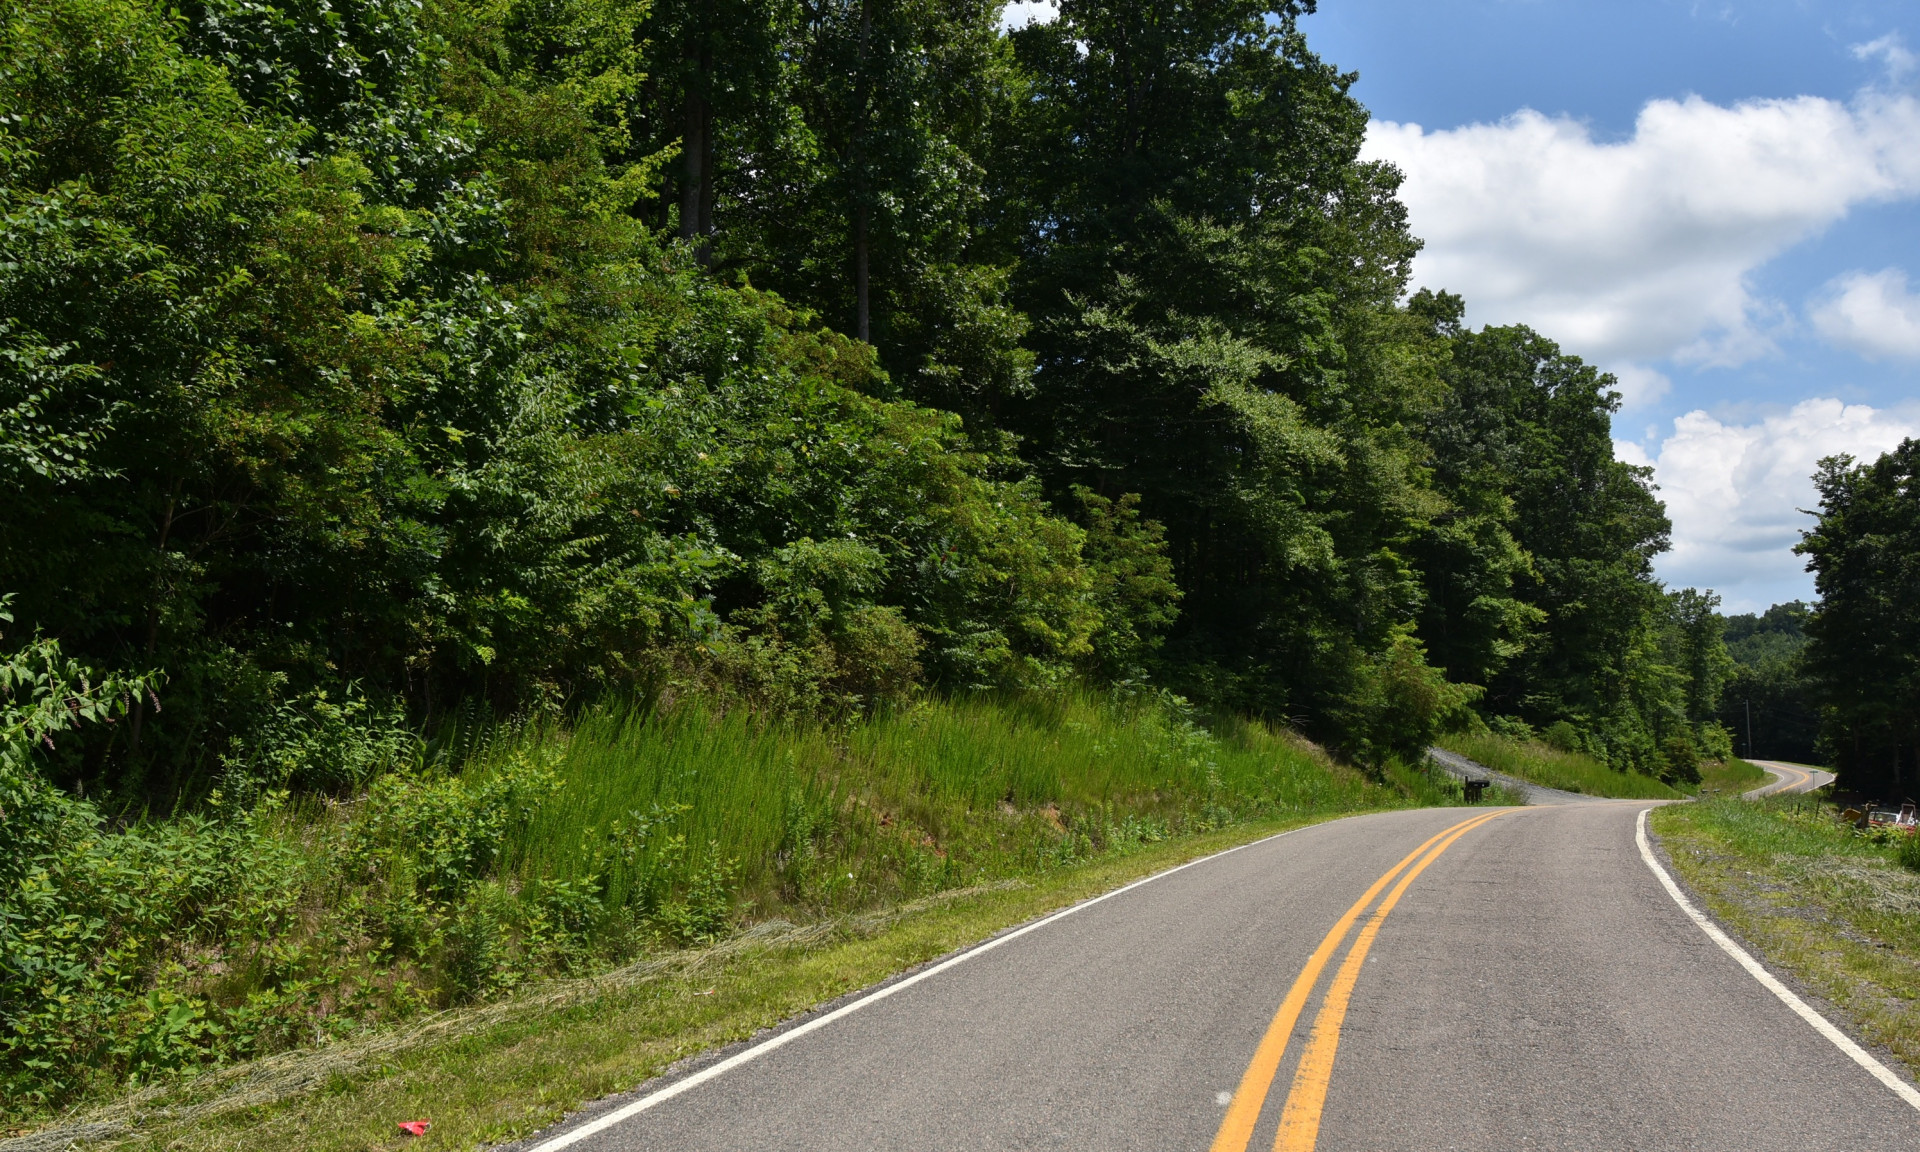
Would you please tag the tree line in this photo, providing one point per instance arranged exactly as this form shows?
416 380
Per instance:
1860 666
380 362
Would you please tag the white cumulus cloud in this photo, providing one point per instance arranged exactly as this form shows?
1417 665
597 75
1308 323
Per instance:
1873 313
1633 251
1892 52
1734 492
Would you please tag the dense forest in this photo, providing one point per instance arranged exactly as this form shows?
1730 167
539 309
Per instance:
375 370
1861 662
1767 702
371 362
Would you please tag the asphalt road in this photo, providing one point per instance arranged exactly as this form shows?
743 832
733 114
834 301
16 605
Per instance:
1532 986
1788 778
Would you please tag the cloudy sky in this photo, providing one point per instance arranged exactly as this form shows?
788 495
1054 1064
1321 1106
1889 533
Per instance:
1717 201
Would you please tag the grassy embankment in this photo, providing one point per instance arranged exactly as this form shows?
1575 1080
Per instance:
579 906
1834 907
1541 763
1730 777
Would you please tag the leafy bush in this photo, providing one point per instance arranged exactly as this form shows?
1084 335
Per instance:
1679 760
1564 737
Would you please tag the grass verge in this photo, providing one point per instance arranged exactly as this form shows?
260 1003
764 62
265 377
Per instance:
1730 777
579 846
498 1072
1814 898
1544 764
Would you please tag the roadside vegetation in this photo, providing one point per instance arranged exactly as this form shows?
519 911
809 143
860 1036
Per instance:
497 1071
520 853
1539 762
1837 908
1730 777
1860 663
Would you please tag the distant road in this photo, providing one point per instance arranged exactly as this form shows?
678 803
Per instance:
1472 980
1788 778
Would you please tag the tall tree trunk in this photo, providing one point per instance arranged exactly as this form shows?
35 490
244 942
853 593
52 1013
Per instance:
862 247
696 183
693 154
708 184
862 299
138 719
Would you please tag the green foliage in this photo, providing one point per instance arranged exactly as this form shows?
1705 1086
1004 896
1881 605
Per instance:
1544 763
869 390
314 744
1907 852
1133 584
1863 640
138 952
1679 760
1768 701
1404 703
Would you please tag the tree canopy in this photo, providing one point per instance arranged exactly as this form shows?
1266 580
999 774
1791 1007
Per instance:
1863 638
441 355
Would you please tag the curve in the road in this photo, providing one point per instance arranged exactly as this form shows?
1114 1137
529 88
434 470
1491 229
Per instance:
1788 779
1535 986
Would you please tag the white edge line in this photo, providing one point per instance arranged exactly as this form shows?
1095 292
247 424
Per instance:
713 1071
1800 1007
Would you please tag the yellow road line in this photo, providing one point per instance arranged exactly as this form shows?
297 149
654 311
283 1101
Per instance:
1300 1119
1236 1130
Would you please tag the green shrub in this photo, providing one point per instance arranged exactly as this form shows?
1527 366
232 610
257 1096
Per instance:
1679 759
1563 737
1908 852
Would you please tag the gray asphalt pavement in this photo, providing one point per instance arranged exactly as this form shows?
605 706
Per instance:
1535 987
1788 778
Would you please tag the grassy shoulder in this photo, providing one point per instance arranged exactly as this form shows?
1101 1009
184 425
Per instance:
608 854
1730 777
1831 906
498 1072
1541 763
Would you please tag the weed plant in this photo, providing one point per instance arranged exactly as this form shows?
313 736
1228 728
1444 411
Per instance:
1541 763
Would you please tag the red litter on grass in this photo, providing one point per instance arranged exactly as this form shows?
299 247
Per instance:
415 1127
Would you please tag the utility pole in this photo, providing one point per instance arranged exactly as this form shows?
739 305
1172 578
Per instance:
1749 728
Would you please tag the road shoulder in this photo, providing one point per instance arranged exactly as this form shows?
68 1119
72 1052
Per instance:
1835 918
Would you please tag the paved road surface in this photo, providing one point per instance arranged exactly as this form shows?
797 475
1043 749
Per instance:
1533 986
1788 778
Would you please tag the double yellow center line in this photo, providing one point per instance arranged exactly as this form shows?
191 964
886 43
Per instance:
1300 1117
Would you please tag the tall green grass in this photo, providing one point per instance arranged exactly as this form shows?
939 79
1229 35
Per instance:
1541 763
579 844
943 793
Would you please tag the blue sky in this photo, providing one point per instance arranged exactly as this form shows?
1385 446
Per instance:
1719 201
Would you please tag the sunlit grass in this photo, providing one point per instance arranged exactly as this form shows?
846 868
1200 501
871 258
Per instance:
1730 777
909 801
1542 763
